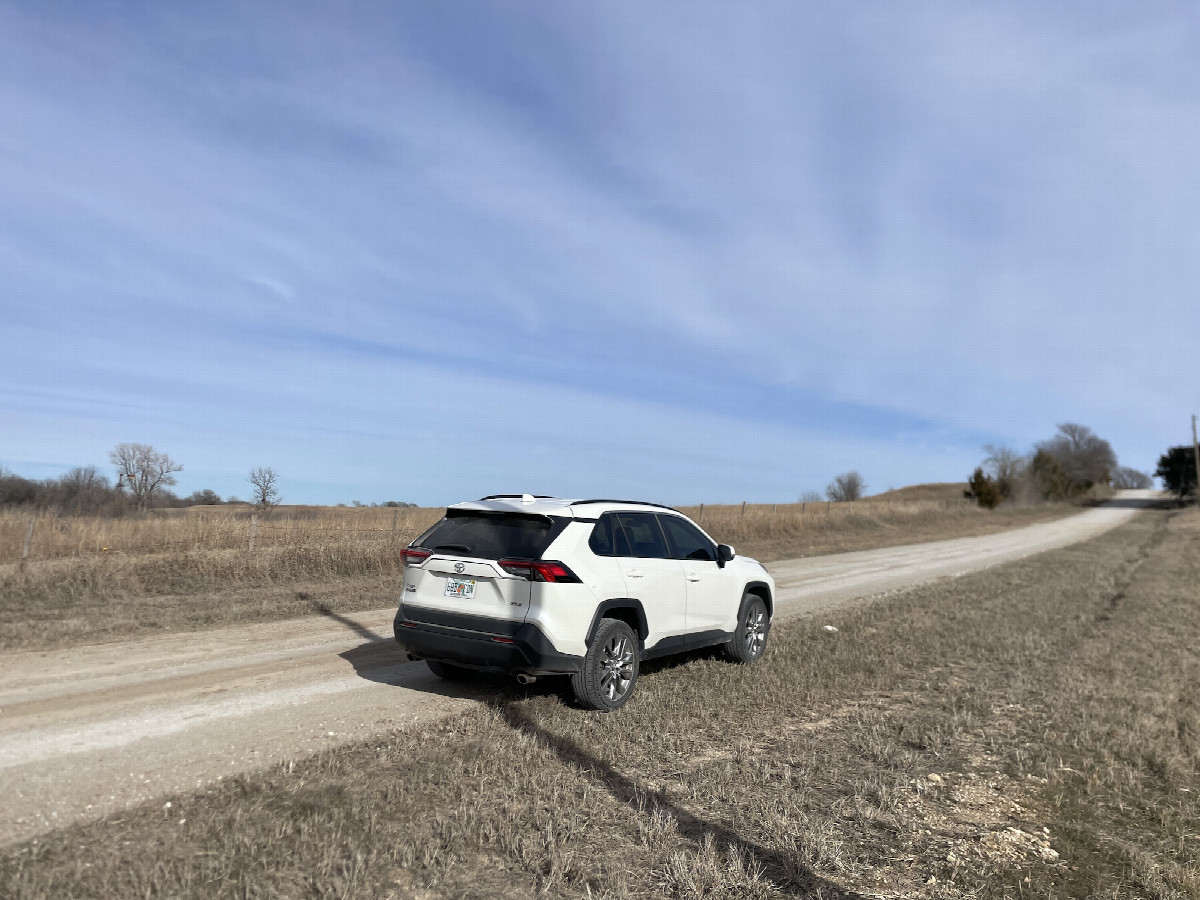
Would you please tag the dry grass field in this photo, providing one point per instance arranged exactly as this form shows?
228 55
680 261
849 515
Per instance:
1031 730
90 579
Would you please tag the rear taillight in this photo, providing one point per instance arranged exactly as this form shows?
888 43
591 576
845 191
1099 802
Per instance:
540 570
412 556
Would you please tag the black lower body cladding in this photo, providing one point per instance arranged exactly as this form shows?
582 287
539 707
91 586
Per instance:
477 642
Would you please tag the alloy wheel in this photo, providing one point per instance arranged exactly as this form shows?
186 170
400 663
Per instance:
756 630
616 667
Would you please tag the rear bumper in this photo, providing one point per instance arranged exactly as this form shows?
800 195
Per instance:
476 642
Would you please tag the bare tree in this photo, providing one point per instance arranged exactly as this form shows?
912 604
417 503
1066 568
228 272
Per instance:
83 489
1126 478
1005 466
143 471
265 494
811 497
1083 458
846 488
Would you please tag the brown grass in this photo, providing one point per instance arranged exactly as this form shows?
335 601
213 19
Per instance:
1029 730
769 532
204 528
193 568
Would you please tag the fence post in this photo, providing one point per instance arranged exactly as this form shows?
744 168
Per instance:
702 512
28 541
828 503
743 509
803 504
774 508
253 531
395 513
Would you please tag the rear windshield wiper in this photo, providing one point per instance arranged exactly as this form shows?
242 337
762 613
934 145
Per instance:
463 547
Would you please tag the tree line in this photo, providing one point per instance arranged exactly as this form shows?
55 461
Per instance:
144 480
1064 467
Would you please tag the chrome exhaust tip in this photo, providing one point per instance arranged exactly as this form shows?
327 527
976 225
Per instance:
522 678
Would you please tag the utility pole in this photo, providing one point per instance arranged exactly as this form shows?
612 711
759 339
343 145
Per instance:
1196 458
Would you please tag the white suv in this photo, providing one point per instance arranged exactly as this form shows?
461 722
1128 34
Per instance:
587 588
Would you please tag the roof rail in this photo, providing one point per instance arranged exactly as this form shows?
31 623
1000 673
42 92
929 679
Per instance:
514 497
630 502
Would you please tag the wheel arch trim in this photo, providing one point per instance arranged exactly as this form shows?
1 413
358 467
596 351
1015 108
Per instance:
641 627
763 591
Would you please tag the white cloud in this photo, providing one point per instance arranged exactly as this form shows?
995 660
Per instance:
974 221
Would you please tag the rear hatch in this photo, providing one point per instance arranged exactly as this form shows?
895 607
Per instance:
462 573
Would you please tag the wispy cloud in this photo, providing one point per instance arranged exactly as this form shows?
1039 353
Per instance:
810 239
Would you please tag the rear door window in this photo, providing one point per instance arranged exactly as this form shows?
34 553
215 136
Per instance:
687 540
645 538
608 538
488 535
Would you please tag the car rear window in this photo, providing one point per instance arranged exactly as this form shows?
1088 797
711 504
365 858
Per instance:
488 535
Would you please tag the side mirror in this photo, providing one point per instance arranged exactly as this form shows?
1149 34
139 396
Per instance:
724 554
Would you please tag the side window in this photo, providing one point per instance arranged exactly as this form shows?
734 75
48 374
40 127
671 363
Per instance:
645 537
687 540
608 538
601 540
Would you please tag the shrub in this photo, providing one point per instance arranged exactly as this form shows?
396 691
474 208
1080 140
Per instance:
1177 469
846 488
983 489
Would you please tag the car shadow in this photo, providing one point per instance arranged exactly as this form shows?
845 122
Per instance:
381 660
788 874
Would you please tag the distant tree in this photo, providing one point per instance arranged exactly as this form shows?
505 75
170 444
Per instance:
811 497
265 494
143 471
82 490
168 499
983 489
206 497
845 488
1006 467
16 490
1047 476
1083 459
1125 478
1177 469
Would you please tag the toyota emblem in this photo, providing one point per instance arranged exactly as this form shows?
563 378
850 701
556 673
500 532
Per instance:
458 567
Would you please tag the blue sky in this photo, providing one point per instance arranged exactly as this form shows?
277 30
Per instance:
680 251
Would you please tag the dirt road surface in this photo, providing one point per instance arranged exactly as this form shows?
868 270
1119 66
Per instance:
91 730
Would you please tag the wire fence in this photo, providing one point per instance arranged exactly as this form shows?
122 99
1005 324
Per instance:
28 538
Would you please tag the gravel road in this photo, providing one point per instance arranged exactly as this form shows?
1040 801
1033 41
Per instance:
91 730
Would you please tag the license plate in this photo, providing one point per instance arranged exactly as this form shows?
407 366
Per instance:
460 587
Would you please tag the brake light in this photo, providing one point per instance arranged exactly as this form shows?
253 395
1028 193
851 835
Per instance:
412 556
540 570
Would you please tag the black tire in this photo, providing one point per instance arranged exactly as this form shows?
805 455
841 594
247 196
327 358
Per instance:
754 624
447 671
610 667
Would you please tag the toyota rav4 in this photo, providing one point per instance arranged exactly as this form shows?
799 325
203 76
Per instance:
538 586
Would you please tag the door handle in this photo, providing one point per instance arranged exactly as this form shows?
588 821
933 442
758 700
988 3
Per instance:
634 573
693 577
